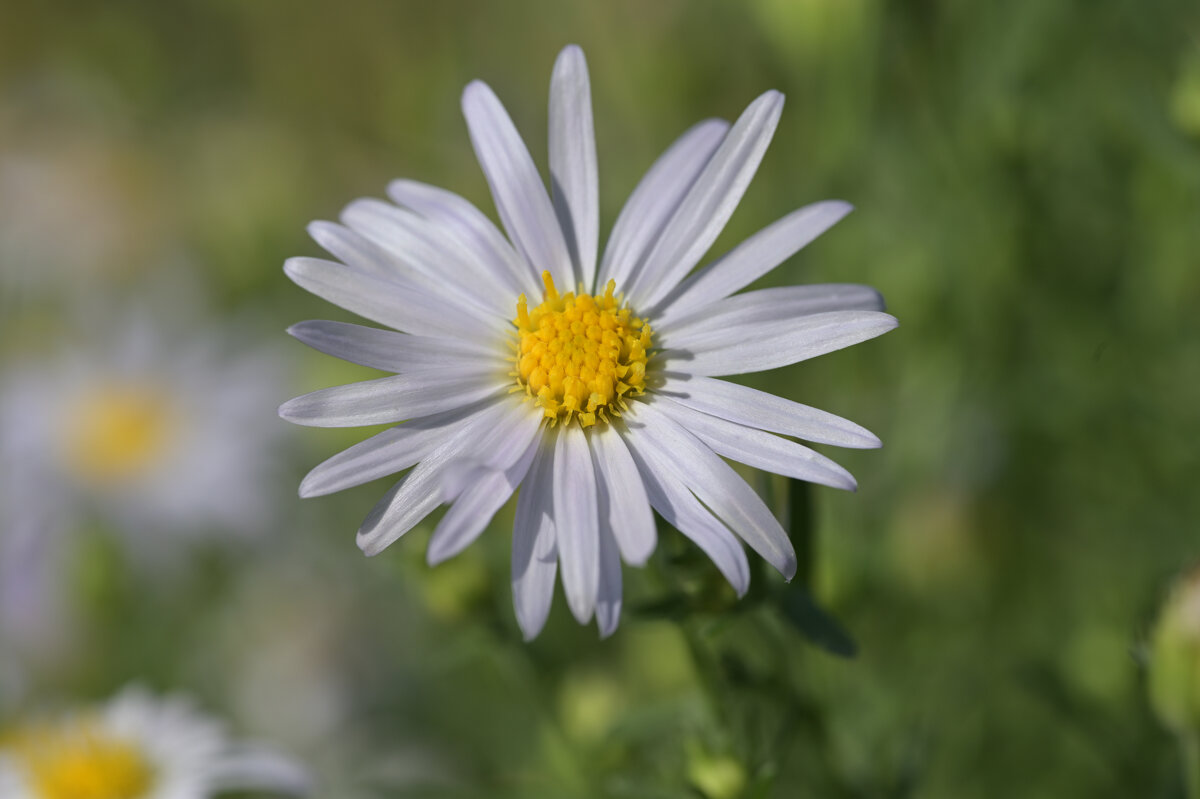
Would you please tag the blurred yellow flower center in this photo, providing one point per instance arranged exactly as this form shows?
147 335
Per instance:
79 762
117 432
580 355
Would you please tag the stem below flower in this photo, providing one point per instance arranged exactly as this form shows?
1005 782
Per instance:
1190 743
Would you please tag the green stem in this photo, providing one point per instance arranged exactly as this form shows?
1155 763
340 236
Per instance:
1191 763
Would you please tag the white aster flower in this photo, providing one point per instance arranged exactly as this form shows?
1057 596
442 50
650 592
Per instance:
143 427
154 433
136 746
587 382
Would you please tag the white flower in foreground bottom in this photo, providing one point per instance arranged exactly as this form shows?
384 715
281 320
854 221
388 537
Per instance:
599 403
136 747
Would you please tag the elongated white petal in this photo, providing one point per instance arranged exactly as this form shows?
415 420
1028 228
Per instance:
770 305
389 350
498 451
709 203
573 180
392 302
404 505
758 346
534 554
576 521
608 594
250 767
754 408
656 197
419 491
517 188
388 452
713 482
624 506
398 261
392 399
758 448
675 503
753 258
486 492
438 262
460 218
356 250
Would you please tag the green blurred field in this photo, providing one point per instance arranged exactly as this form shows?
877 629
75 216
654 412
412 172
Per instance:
1026 176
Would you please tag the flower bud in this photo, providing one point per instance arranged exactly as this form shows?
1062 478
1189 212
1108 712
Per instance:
715 775
1174 676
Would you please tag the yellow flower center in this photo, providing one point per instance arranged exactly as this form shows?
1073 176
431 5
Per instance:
79 762
580 355
118 432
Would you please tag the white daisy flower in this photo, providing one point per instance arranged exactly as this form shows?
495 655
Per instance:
589 382
155 433
144 427
137 747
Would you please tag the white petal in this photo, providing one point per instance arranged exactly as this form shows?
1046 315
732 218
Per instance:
502 451
754 408
489 489
713 482
675 503
392 399
573 180
709 203
419 491
757 448
754 257
394 259
389 350
517 188
474 230
576 520
391 301
245 767
354 249
608 595
436 261
624 505
758 346
534 556
656 198
406 503
770 305
388 452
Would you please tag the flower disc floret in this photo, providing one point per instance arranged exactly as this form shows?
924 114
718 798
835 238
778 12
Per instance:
580 356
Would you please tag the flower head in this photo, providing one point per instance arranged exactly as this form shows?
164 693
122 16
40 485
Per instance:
588 382
135 747
142 426
135 429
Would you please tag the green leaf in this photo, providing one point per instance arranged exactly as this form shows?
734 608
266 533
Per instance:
816 624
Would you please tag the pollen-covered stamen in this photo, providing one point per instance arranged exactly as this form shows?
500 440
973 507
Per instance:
580 355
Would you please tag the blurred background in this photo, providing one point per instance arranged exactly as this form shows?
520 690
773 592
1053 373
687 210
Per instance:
1026 176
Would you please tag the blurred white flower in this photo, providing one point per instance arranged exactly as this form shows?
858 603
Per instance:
136 746
154 433
157 429
600 405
